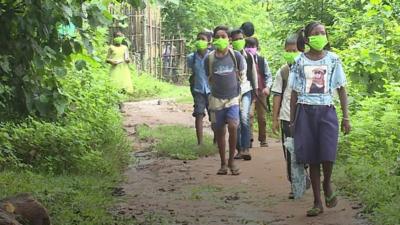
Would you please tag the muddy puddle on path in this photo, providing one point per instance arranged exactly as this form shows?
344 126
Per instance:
165 191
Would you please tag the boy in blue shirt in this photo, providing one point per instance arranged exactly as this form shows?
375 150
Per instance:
199 82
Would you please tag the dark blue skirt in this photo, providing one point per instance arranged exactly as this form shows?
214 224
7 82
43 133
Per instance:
316 134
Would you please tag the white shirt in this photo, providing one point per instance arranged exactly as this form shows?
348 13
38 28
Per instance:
284 112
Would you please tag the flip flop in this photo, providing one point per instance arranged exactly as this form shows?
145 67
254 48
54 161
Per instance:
331 201
246 155
238 156
234 170
222 171
314 211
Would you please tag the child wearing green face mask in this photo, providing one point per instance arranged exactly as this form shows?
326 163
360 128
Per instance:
118 57
248 85
281 108
198 82
226 69
313 120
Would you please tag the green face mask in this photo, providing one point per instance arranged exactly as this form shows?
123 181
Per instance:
118 40
221 43
201 44
290 56
318 42
238 45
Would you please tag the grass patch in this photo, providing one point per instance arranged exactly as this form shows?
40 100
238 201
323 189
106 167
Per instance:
70 199
146 86
75 198
177 141
365 183
204 192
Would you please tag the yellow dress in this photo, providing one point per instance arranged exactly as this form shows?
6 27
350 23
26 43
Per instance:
120 73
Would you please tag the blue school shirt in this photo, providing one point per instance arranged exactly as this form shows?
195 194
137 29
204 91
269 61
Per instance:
316 81
200 77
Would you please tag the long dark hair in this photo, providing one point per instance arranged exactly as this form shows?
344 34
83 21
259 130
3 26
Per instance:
305 33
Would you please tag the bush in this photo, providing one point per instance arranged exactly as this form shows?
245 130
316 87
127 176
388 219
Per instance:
370 155
77 140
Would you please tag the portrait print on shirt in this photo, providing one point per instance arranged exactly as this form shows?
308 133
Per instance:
316 77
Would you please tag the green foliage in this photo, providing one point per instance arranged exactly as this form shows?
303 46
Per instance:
37 39
146 86
372 60
193 16
60 161
178 142
74 141
370 155
33 53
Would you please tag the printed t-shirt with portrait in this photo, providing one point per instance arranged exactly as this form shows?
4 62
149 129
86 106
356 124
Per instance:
315 81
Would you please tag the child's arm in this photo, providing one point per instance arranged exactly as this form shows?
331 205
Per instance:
126 55
267 77
108 60
242 69
276 107
345 124
277 92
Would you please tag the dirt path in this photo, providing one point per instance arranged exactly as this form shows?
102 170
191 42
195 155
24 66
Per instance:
164 191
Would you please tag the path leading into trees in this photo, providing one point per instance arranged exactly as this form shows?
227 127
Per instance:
165 191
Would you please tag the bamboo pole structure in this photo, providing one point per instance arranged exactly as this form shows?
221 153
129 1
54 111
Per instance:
151 51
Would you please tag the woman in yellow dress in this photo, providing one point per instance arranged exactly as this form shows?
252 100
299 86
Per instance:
118 57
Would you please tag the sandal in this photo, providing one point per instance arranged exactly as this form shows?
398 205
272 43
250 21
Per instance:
222 171
314 211
331 201
263 144
234 170
246 155
238 156
291 195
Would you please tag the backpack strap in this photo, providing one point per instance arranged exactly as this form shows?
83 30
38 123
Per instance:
211 59
285 76
235 58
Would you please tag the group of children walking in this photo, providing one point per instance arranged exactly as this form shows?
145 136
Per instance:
231 81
